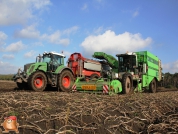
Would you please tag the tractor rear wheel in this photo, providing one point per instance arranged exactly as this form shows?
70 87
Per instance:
153 86
66 81
127 83
37 81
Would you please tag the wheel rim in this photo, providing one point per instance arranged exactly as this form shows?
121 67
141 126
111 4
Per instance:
66 81
127 84
38 82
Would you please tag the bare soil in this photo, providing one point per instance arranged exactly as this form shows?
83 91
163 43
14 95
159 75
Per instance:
53 112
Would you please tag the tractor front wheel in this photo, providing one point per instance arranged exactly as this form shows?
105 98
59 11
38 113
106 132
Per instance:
22 86
153 86
66 81
127 83
37 81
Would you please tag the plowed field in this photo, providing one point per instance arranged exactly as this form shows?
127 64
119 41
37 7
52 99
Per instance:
83 113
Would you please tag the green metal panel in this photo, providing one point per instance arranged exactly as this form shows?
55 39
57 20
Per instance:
152 63
112 61
43 67
116 86
94 83
39 65
145 81
59 68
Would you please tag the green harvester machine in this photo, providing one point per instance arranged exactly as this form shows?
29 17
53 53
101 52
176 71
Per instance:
131 72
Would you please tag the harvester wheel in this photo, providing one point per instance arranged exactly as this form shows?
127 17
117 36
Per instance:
127 83
37 81
94 76
66 81
153 86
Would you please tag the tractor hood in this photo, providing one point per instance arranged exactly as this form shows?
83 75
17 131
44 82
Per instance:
26 66
32 67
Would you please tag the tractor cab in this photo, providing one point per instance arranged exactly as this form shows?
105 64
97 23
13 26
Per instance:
52 59
127 63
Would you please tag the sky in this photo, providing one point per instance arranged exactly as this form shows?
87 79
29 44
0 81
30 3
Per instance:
30 27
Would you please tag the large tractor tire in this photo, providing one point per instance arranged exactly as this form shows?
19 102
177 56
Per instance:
66 81
37 81
153 86
127 83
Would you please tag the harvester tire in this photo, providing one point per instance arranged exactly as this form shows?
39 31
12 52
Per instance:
94 76
153 86
37 81
127 85
65 81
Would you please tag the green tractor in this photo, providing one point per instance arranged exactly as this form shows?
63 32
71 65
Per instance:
132 72
48 70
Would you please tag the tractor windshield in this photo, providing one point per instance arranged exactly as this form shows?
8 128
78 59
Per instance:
53 61
57 59
53 58
46 58
126 63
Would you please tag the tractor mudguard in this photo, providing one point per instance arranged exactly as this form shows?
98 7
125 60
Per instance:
61 68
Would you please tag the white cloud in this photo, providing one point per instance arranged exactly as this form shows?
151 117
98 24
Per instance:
15 47
55 38
30 54
84 7
99 1
63 42
28 32
7 68
8 56
170 67
37 44
71 30
67 53
20 11
135 14
98 30
39 4
3 37
111 43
